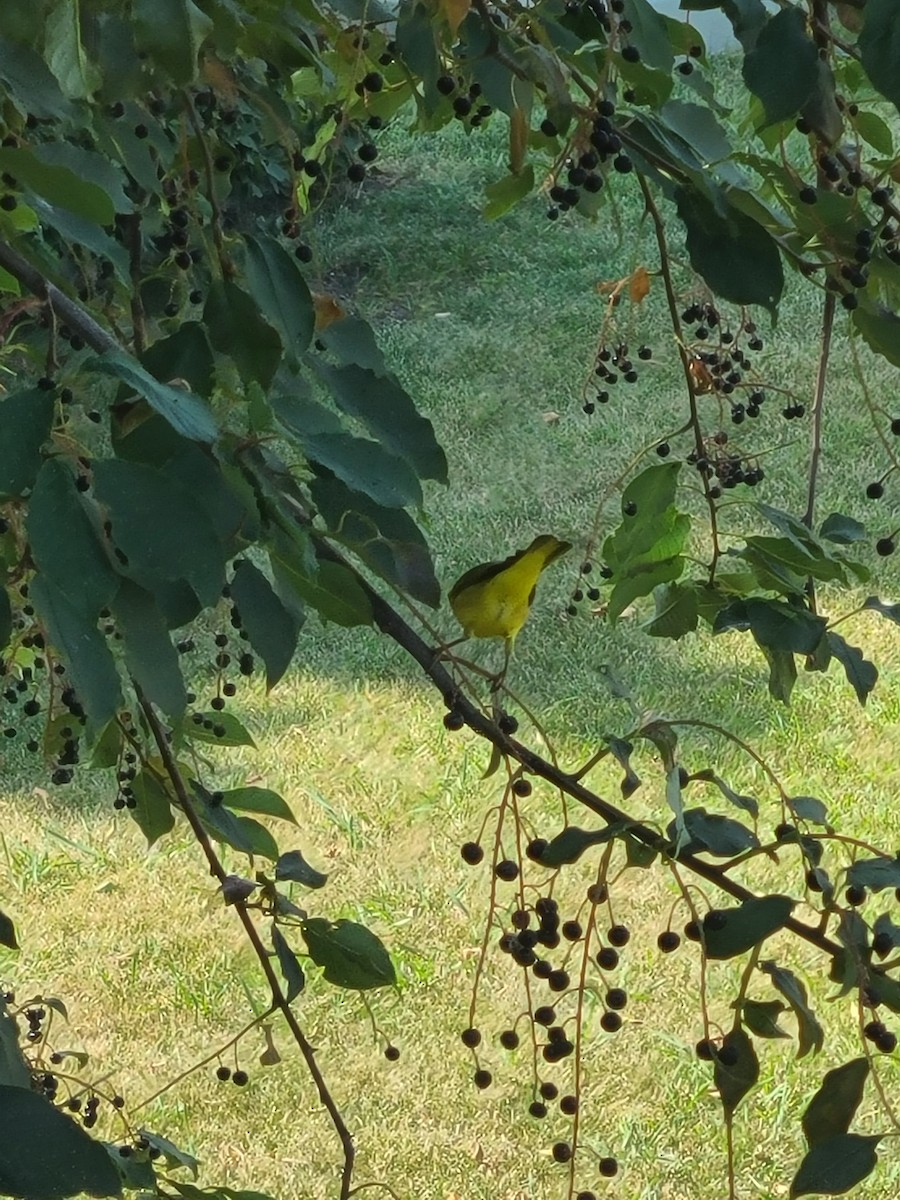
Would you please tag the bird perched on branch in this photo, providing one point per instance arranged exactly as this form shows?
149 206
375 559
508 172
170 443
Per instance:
495 598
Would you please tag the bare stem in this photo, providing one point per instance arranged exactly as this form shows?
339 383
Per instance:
815 453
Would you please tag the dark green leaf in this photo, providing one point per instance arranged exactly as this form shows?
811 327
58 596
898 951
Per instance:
568 846
736 256
621 752
151 658
885 990
676 611
862 674
740 929
14 1070
184 411
46 1155
58 185
782 69
842 530
279 289
761 1017
233 732
152 813
259 800
880 329
88 164
504 193
184 354
271 628
82 648
879 47
292 866
236 329
387 540
811 1034
178 543
78 77
747 803
388 412
173 1155
646 549
876 132
638 853
25 418
714 834
736 1079
808 808
887 929
834 1105
774 624
330 588
648 32
32 86
108 746
7 932
782 673
874 873
363 465
350 955
351 340
290 967
834 1167
171 32
891 611
241 833
65 541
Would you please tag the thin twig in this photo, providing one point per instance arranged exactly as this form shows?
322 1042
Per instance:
815 453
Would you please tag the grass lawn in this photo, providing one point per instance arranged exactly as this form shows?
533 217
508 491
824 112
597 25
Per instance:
492 327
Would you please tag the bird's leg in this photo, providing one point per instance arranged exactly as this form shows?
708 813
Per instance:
498 679
442 651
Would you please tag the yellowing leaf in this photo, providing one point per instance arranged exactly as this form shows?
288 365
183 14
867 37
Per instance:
455 12
639 285
327 310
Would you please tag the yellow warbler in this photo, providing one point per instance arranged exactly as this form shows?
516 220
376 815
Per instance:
494 599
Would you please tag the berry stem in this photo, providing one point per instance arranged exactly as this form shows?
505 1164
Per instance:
815 453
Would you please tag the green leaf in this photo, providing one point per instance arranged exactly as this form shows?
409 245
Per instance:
739 929
351 340
279 289
782 69
386 409
808 808
350 955
152 813
735 1080
25 418
233 732
5 619
888 929
774 624
363 465
735 255
259 800
184 411
876 874
834 1105
747 803
46 1155
714 834
290 967
160 527
65 541
842 530
170 33
32 86
782 673
331 588
14 1070
172 1154
78 77
504 193
646 549
88 164
82 648
241 833
151 658
648 32
58 185
811 1034
876 132
569 845
879 47
184 354
271 628
834 1167
387 540
862 674
293 867
880 329
236 329
891 611
7 932
621 752
761 1017
676 611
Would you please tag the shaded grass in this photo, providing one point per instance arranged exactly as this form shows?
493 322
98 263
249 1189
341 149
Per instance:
490 327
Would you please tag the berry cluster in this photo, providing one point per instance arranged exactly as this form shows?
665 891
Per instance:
465 102
582 169
612 363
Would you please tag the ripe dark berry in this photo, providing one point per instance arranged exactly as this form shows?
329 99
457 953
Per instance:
472 853
622 164
453 720
521 787
509 1039
631 54
548 128
608 1167
616 998
808 195
569 1105
692 931
618 935
885 546
223 1074
855 896
562 1152
141 131
391 1053
368 152
895 426
611 1022
535 849
668 941
882 943
471 1037
705 1050
607 958
850 301
537 1110
482 1078
241 1078
356 172
812 881
886 1042
507 870
558 980
571 931
462 106
663 449
545 1015
373 82
445 84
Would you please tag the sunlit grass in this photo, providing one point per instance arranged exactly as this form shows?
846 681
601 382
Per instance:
491 328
